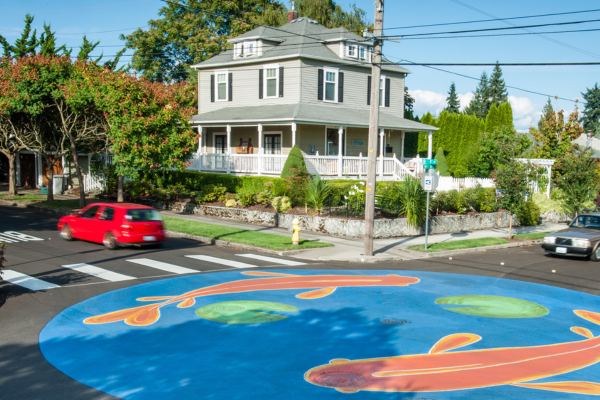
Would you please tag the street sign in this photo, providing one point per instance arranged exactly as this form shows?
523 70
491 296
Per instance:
429 163
429 181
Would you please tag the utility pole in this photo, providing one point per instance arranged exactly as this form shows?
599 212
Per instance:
373 129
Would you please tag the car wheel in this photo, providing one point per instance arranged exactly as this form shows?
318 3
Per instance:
109 241
596 253
66 232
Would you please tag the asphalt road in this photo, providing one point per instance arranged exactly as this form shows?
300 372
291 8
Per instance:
24 372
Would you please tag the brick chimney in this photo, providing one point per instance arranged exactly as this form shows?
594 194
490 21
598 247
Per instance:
292 14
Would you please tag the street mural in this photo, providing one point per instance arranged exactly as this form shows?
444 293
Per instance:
298 334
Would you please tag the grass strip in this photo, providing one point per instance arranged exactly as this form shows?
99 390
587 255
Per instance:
532 236
22 198
236 235
459 244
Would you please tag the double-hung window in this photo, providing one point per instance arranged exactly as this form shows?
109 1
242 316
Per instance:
381 90
330 86
351 51
271 81
249 49
363 52
221 78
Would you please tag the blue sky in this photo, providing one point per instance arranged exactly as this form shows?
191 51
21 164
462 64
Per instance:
104 20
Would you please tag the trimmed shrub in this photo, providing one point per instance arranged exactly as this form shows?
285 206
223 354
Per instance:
245 197
442 163
529 214
294 161
210 193
281 203
230 203
298 182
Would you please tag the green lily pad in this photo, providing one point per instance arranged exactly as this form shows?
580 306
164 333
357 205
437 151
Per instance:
494 306
244 312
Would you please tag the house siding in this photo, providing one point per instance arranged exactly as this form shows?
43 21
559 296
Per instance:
245 86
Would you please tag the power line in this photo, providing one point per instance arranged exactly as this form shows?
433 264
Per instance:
497 29
80 33
494 19
541 35
494 64
78 9
478 79
500 34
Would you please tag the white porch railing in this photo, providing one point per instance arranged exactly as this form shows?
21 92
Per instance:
92 183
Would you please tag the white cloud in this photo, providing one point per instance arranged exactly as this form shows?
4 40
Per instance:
525 112
426 101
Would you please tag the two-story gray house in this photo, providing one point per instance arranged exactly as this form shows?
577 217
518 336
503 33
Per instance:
299 84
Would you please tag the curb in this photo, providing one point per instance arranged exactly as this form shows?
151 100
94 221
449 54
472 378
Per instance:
35 208
226 243
473 249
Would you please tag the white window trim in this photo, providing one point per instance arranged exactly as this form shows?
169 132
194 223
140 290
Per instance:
217 73
382 88
278 133
265 68
337 77
214 141
356 47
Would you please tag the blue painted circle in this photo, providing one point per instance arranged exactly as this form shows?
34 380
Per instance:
182 356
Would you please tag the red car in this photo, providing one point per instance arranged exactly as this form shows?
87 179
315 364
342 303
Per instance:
114 225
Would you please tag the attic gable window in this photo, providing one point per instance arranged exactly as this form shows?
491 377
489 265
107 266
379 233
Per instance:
351 50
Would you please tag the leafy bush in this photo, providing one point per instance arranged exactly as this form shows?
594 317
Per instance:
413 201
298 182
210 193
231 203
529 214
227 196
281 203
457 202
357 197
266 194
246 197
294 163
316 193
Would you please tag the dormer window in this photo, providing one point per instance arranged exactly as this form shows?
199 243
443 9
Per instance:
363 53
250 49
246 49
351 50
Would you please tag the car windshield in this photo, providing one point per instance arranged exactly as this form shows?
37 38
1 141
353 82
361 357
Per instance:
586 221
143 215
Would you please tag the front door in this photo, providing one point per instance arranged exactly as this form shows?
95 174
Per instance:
273 144
220 148
333 145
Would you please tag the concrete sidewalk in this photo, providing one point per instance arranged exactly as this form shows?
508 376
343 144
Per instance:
351 249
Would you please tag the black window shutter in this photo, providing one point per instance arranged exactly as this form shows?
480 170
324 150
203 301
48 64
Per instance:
260 83
230 87
387 92
212 88
341 87
369 91
320 86
280 81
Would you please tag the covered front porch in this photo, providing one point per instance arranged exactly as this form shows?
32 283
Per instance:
334 142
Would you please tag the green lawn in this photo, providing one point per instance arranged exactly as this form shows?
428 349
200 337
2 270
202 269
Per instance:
459 244
266 240
22 198
532 236
37 200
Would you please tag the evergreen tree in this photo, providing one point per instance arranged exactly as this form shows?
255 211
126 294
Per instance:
497 92
47 43
452 100
409 102
442 164
547 112
479 105
294 163
591 112
23 46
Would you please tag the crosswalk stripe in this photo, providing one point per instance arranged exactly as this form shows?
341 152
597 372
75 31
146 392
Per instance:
26 281
222 261
163 266
99 272
272 259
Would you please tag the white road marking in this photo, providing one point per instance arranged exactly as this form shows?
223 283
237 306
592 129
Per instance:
26 281
222 261
272 259
163 266
99 272
19 236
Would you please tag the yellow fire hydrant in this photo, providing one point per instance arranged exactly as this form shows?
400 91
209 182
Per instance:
296 234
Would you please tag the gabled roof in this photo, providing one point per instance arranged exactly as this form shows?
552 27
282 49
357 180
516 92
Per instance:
302 37
307 114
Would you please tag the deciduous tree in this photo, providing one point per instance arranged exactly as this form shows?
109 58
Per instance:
512 179
579 177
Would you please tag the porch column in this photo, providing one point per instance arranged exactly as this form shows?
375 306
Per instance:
18 162
40 161
260 148
381 148
199 151
549 168
293 134
340 147
402 134
89 164
228 148
430 145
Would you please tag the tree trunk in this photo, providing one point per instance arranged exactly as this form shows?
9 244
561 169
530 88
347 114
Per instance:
12 178
120 189
510 227
79 177
50 196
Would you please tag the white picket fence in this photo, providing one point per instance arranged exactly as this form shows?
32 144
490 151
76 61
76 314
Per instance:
446 183
92 183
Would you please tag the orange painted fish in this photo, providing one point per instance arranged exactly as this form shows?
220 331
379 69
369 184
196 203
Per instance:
323 285
441 371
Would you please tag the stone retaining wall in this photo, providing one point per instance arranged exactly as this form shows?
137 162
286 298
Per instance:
383 228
